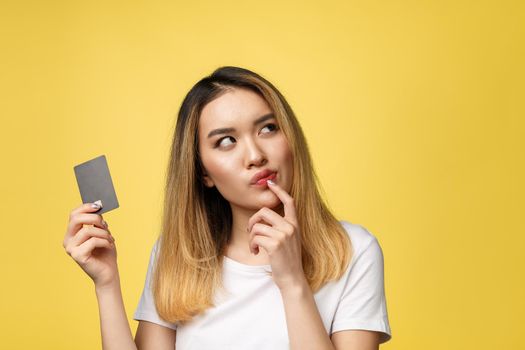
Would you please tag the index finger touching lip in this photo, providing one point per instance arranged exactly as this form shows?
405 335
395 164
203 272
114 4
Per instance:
285 198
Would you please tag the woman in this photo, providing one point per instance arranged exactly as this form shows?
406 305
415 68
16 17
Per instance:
249 256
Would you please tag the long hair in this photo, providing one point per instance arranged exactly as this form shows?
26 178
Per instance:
197 220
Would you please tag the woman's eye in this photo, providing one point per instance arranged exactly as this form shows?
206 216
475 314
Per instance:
220 143
271 125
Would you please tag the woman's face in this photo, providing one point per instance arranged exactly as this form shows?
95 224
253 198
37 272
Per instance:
253 143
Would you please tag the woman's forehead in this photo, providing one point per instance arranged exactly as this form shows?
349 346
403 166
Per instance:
234 107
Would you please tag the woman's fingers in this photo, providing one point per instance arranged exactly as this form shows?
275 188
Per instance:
80 216
87 232
265 214
78 220
262 230
83 252
269 244
84 208
287 200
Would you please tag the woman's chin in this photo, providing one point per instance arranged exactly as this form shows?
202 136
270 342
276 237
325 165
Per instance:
270 201
260 200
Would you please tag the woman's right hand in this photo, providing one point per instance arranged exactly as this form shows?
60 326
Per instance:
89 242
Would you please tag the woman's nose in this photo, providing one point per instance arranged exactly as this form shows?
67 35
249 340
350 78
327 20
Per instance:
254 154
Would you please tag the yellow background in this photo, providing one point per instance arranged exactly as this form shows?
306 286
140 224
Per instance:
413 111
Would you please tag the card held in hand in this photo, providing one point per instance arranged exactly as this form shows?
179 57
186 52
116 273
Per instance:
94 183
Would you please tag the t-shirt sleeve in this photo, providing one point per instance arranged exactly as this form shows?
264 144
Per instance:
146 310
363 304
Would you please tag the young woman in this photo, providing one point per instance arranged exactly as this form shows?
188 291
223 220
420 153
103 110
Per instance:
249 256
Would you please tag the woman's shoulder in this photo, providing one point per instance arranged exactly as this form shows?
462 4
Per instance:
360 236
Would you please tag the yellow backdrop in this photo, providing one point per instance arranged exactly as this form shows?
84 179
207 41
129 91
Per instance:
413 111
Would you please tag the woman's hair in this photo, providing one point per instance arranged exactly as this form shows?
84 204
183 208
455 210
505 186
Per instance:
197 220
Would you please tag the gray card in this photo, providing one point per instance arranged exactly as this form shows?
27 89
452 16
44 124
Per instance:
94 183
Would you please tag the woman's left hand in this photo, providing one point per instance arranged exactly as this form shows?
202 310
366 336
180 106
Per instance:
281 239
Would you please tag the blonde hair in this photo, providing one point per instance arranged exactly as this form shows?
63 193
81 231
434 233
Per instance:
197 220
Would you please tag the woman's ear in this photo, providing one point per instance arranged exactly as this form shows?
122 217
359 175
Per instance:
208 182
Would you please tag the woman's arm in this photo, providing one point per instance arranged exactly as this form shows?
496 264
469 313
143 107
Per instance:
305 326
90 243
114 326
356 339
152 336
306 329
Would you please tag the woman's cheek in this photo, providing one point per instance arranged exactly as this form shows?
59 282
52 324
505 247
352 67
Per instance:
225 176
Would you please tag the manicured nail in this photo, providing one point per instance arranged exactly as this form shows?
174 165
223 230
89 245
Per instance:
97 204
270 182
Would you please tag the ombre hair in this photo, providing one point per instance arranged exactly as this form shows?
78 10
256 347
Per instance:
197 220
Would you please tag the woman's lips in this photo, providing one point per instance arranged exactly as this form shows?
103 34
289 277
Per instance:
262 182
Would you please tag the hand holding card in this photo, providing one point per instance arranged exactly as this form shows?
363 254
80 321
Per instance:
88 239
95 185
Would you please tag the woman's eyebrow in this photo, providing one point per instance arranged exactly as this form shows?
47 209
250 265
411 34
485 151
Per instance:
228 130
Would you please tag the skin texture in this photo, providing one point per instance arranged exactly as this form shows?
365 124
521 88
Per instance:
239 156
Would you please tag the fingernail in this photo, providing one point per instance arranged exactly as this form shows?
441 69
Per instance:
105 223
97 204
270 182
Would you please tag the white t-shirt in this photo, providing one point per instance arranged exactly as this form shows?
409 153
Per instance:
252 316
